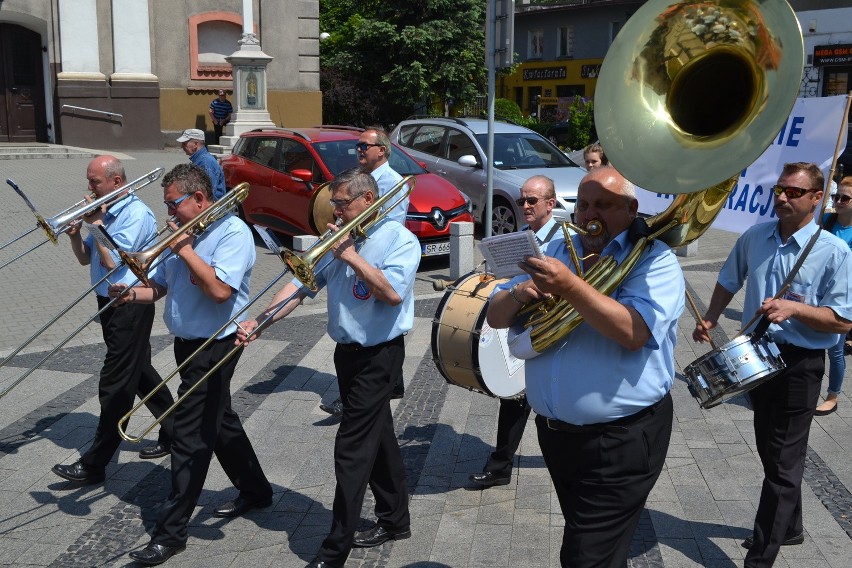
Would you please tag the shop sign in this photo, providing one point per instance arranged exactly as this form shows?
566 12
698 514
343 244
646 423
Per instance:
543 73
839 54
590 71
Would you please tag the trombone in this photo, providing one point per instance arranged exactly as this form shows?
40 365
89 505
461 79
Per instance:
198 225
304 268
54 226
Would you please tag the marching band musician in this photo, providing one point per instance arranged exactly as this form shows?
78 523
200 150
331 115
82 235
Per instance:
804 322
370 288
602 394
205 282
127 369
538 197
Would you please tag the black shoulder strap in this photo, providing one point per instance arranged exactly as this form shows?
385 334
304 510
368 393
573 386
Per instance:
552 232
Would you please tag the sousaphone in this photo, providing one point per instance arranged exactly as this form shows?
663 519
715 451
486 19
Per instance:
690 94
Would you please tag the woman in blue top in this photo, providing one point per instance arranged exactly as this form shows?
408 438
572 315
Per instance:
838 223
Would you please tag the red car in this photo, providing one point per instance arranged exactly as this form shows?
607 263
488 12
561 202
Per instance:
286 166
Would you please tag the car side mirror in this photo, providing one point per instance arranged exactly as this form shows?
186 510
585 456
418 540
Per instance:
303 175
468 161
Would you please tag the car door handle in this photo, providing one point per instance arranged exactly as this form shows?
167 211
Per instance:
278 189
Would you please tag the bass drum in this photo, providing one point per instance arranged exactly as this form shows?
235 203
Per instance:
734 368
467 351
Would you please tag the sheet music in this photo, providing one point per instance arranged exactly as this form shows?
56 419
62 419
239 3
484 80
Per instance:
504 252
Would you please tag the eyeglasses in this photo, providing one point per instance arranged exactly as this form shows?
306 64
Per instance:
176 202
841 198
362 146
341 203
791 191
531 200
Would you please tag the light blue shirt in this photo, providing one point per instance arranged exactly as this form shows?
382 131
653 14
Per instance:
386 178
132 226
228 247
589 379
205 160
542 234
823 279
354 314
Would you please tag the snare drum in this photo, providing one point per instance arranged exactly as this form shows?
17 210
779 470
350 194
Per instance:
735 368
467 351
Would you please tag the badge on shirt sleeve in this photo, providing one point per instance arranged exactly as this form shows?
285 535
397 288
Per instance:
360 290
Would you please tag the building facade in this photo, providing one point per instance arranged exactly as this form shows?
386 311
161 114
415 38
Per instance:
116 74
561 45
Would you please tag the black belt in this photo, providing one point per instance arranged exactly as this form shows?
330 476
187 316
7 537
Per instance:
202 340
617 425
354 347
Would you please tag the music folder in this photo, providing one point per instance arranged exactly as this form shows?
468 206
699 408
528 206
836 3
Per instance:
504 252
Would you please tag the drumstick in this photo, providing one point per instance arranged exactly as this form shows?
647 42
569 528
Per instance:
698 319
750 322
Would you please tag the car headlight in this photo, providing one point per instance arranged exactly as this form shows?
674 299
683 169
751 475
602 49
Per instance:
468 204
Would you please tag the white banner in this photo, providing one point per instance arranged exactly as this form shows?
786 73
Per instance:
808 135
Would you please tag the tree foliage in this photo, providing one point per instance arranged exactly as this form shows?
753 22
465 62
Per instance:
387 59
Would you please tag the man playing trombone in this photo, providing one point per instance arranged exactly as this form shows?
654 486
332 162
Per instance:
127 369
370 287
205 281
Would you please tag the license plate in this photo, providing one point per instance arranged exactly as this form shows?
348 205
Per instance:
432 249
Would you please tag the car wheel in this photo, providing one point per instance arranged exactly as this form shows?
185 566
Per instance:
502 217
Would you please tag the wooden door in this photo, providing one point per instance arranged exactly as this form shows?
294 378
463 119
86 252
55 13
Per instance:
22 116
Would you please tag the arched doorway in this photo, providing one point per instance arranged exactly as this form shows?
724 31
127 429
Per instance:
22 113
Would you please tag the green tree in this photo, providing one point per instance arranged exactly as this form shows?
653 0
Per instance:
390 58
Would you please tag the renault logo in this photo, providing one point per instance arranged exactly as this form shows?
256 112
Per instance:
438 218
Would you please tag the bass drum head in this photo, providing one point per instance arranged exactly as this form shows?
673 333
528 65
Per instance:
501 373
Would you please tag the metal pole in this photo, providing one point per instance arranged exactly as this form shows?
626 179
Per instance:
491 31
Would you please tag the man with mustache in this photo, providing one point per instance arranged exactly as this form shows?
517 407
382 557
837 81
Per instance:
804 321
602 393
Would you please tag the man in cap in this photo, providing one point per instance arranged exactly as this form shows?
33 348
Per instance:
192 142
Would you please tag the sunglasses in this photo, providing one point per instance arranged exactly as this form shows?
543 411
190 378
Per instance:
841 198
362 146
176 202
343 202
791 191
524 200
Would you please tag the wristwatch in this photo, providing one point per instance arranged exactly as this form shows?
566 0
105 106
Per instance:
514 297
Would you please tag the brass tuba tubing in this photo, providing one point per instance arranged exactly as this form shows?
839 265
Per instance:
140 262
303 265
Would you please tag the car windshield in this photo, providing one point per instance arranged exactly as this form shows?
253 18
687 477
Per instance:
340 156
521 150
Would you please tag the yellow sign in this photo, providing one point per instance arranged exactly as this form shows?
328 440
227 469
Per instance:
548 101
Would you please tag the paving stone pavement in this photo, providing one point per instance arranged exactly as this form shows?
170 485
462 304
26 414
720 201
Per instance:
697 515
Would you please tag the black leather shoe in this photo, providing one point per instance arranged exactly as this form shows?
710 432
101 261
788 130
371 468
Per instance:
154 554
154 451
240 506
826 412
317 563
79 473
335 408
379 535
489 479
789 541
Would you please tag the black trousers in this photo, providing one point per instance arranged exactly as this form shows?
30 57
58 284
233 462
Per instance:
205 424
602 478
783 411
511 421
126 372
366 451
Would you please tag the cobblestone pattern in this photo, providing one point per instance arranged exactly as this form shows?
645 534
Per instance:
120 529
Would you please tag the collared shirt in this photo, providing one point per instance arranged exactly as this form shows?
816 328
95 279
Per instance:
205 160
386 178
354 315
823 280
589 379
132 226
543 236
228 247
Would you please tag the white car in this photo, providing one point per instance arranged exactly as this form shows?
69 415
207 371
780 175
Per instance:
455 148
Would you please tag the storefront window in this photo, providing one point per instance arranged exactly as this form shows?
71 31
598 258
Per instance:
836 82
